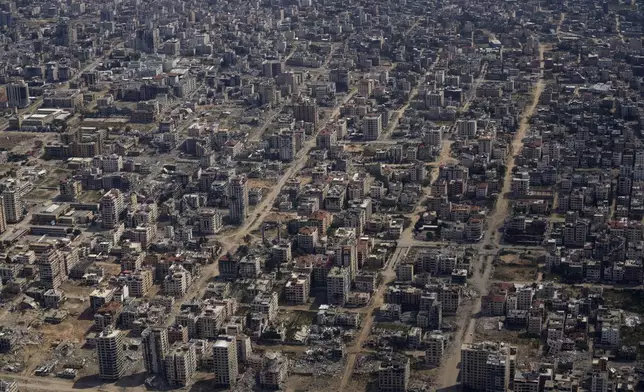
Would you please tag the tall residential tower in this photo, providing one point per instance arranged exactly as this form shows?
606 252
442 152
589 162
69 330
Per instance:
238 199
109 347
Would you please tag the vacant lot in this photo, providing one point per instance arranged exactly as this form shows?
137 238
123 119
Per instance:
512 267
628 300
9 140
296 382
515 273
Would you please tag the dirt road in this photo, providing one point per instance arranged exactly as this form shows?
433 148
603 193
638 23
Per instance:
255 219
256 137
562 17
444 157
449 377
618 28
497 218
51 384
475 87
393 123
388 276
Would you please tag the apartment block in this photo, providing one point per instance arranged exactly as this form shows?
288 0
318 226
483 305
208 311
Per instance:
181 364
297 288
485 367
210 321
138 283
112 204
436 344
210 222
266 303
274 370
111 359
281 253
238 188
155 348
338 284
100 297
177 281
393 374
225 358
51 264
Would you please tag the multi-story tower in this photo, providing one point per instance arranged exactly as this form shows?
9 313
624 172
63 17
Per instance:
274 370
225 359
338 283
485 367
155 349
147 40
435 99
599 378
497 372
297 288
393 375
238 199
266 304
181 364
473 361
210 222
417 172
272 68
439 77
365 87
177 281
18 94
112 205
51 264
347 257
286 146
70 190
268 93
433 137
51 72
3 218
436 345
109 347
67 34
12 205
599 382
524 298
342 79
172 47
138 282
306 110
372 127
467 128
485 145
